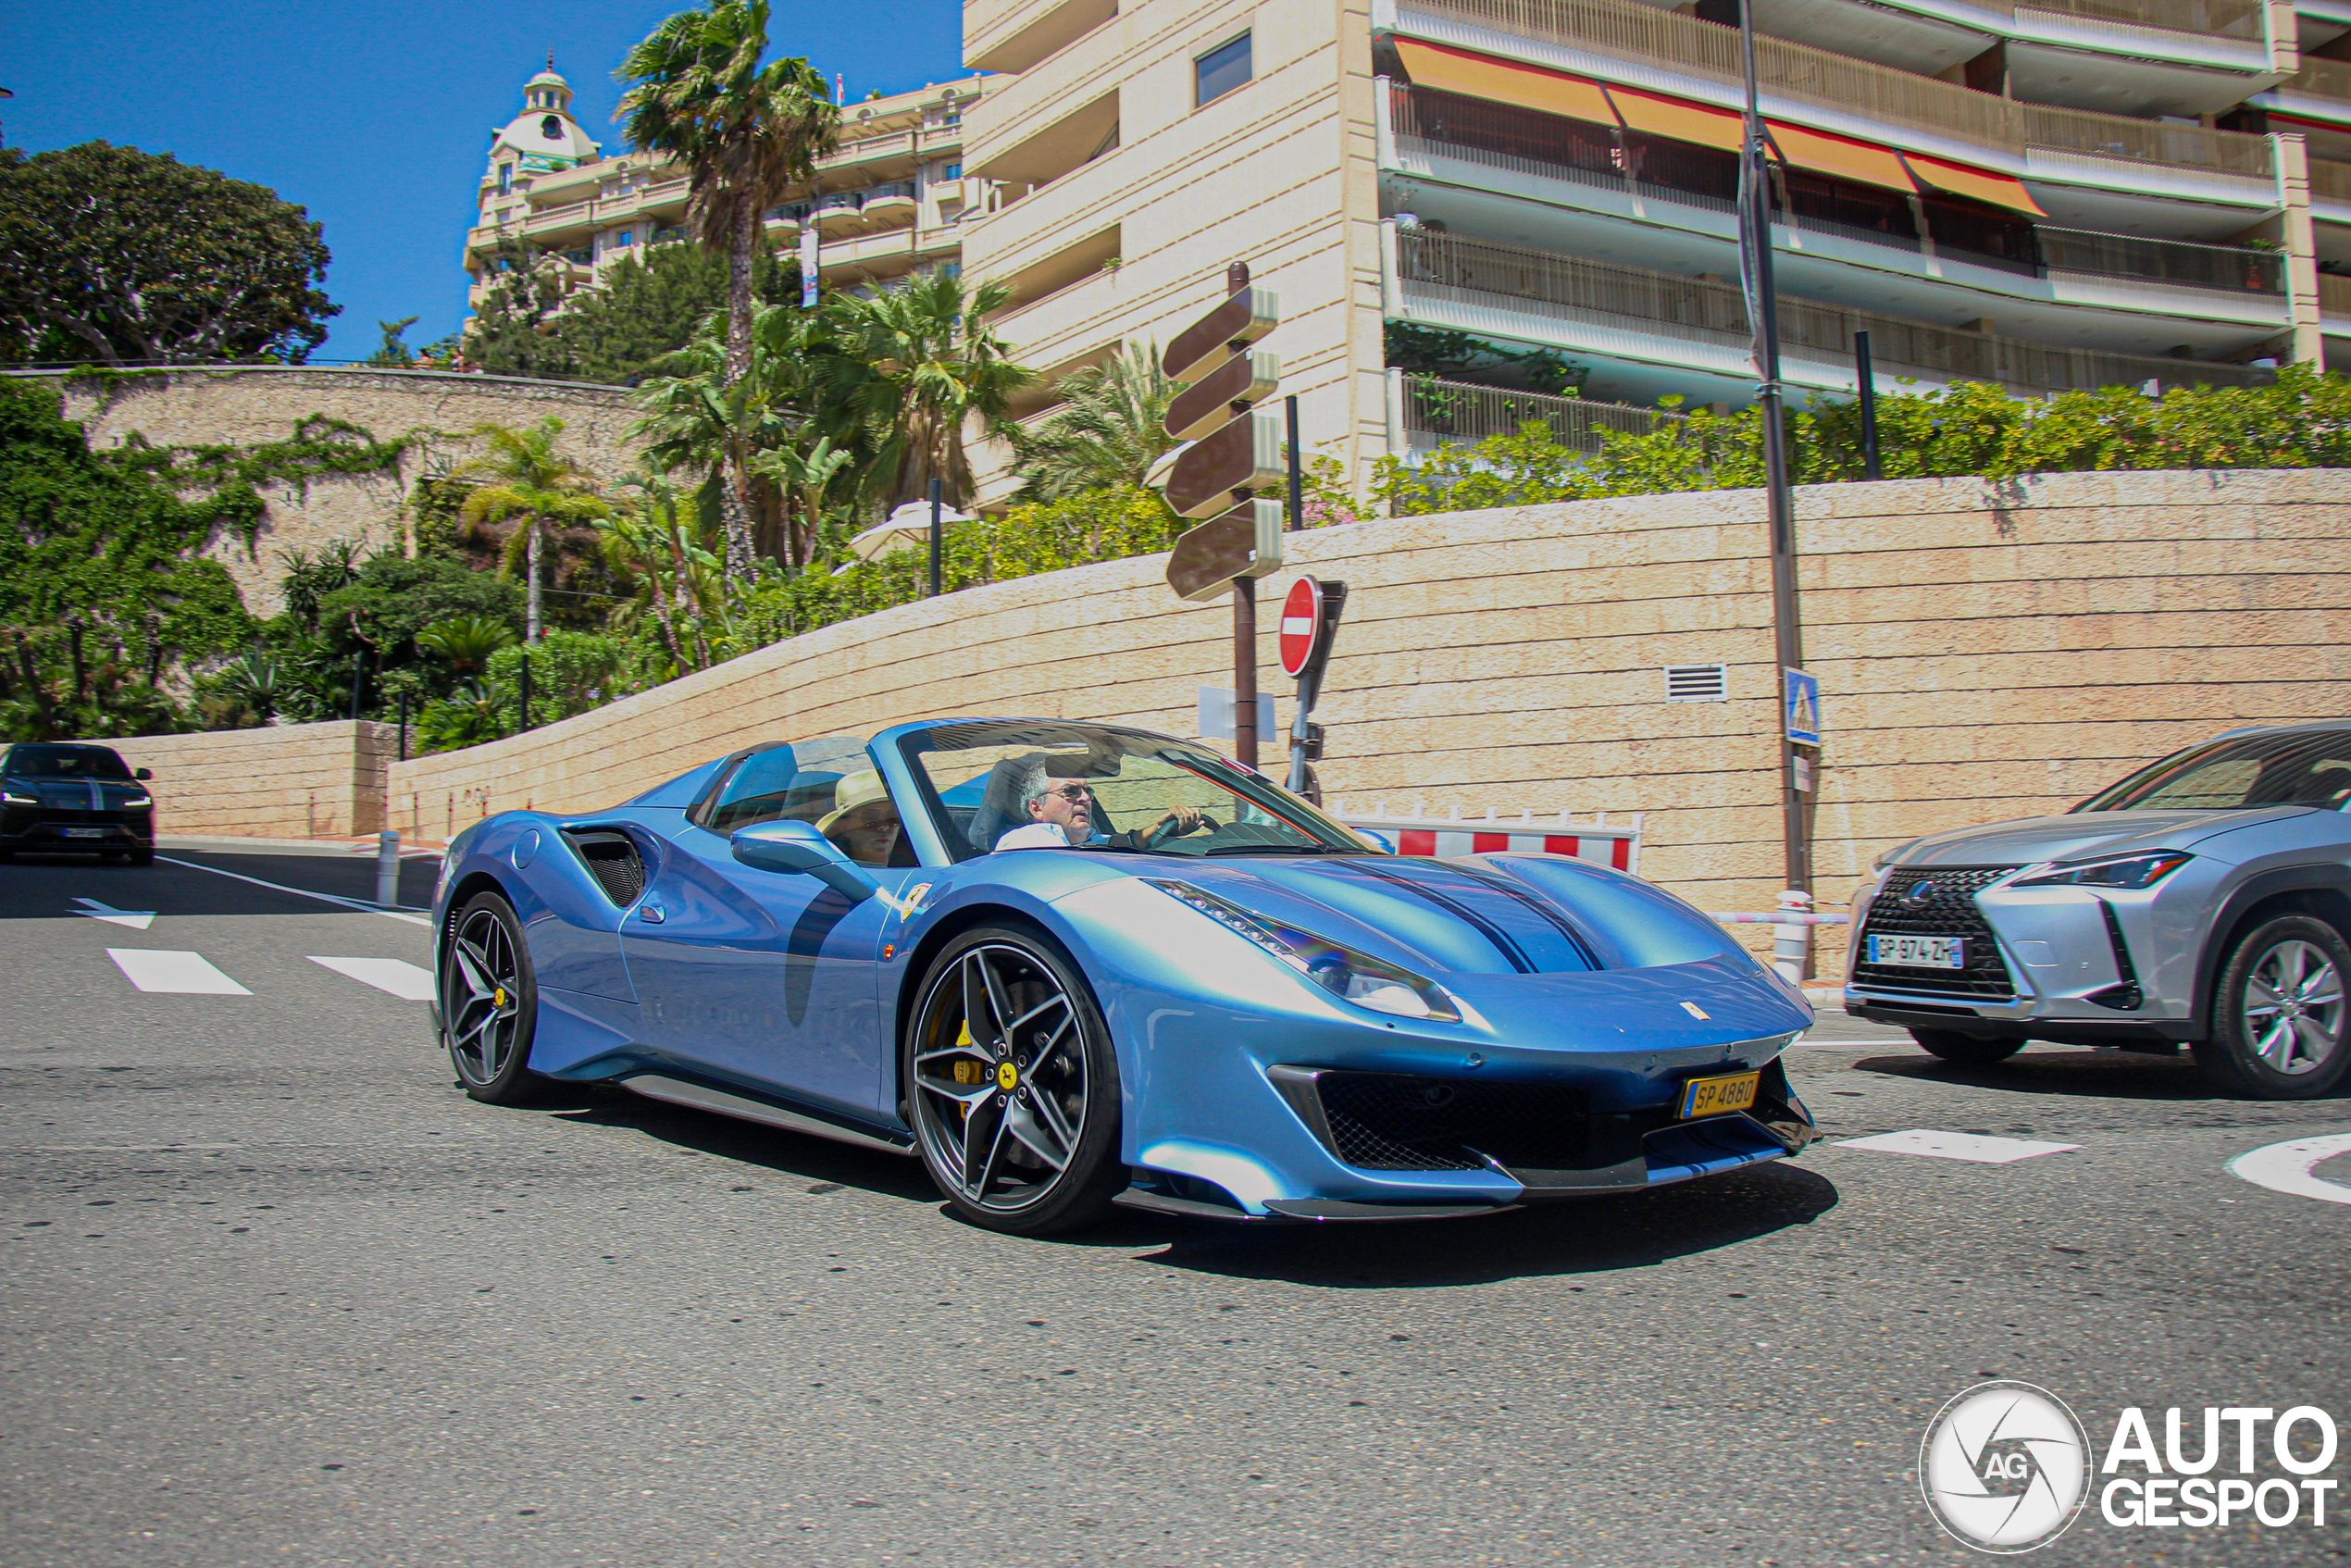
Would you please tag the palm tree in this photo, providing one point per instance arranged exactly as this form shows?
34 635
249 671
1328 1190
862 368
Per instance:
749 136
651 543
804 474
524 480
467 641
1109 432
917 365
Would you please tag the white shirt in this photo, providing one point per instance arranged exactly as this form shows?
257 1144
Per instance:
1034 836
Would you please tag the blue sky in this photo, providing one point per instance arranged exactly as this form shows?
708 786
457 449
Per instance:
377 117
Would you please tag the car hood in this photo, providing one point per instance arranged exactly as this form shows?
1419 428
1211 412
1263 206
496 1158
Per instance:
1494 915
69 794
2079 835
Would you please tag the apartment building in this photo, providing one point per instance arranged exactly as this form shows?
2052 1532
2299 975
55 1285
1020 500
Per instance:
890 200
2079 193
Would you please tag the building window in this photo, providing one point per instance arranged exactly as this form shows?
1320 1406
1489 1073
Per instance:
628 238
1221 69
551 129
505 179
950 171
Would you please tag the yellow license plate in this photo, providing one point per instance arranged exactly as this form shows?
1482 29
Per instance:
1713 1096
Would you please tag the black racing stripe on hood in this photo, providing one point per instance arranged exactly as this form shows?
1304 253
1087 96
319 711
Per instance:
1503 942
1541 911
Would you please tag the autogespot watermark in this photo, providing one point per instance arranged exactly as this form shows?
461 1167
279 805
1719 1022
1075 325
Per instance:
2006 1467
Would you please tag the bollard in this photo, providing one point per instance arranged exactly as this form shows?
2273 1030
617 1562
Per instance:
1792 943
387 870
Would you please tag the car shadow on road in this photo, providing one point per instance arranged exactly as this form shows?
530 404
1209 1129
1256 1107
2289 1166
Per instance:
788 1155
1589 1236
2087 1072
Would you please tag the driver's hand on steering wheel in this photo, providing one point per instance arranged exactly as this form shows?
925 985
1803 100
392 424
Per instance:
1184 819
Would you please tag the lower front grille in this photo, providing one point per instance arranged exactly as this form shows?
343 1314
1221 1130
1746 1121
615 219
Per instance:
1404 1122
1936 901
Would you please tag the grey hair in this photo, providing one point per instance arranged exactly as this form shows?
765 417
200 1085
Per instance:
1034 783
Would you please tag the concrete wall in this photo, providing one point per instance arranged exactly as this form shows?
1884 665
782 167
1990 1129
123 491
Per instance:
252 404
1985 651
288 781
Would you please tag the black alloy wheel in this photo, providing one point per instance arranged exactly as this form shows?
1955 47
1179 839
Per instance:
1972 1051
1012 1086
2279 1015
490 1003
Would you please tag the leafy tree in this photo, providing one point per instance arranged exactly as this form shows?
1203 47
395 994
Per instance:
915 363
1465 356
472 713
119 257
467 643
644 308
394 353
749 136
103 590
571 672
1109 432
527 481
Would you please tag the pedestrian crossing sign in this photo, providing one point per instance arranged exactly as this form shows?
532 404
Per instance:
1801 703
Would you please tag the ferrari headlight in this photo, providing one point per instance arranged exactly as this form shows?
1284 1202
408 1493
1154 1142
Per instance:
2142 870
1345 973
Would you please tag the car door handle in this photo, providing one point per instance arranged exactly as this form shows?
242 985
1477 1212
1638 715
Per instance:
652 913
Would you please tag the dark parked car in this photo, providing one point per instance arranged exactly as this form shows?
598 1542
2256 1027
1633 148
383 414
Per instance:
75 800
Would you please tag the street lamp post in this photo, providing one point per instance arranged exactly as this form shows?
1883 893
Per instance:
1762 314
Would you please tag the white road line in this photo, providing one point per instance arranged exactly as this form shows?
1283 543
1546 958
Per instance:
130 919
301 892
2285 1167
400 977
1975 1147
160 969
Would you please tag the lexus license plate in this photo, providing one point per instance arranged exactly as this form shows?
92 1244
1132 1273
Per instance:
1920 952
1713 1096
85 832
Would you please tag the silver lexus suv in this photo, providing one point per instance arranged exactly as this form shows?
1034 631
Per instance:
2204 900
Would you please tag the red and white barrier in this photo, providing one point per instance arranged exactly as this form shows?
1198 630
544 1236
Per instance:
1599 842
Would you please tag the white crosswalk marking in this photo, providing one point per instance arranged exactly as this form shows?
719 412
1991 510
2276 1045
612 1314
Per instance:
159 969
133 919
400 977
1975 1147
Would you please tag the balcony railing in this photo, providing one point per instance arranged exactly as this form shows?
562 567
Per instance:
2334 296
2331 182
1658 304
2222 18
1525 141
1460 411
1648 36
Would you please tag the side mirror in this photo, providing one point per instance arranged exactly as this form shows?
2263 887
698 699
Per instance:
141 772
796 846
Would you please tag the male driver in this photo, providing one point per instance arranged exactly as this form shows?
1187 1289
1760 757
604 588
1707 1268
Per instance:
1061 814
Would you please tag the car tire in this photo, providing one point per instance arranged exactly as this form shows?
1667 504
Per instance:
1972 1051
490 1003
2281 1022
993 1108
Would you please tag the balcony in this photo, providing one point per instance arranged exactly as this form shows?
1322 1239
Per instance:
1632 167
1436 412
1844 94
1663 332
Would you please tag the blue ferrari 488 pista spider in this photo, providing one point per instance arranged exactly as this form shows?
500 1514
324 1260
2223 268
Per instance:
1073 965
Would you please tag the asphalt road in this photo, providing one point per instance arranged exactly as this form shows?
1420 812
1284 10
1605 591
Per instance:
275 1292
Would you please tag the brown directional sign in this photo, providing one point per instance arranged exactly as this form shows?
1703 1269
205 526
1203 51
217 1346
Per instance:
1230 389
1244 542
1247 316
1246 454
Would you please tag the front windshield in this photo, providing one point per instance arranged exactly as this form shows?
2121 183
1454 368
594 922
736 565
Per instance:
65 762
996 785
2307 768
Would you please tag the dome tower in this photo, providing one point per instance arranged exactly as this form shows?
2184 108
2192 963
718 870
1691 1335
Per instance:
543 139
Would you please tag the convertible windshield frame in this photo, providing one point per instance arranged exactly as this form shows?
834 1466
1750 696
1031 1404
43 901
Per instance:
1326 835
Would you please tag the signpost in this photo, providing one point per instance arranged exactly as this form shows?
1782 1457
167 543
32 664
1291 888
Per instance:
1310 624
1234 453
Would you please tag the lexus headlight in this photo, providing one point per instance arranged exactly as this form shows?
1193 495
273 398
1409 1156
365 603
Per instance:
1345 973
2142 870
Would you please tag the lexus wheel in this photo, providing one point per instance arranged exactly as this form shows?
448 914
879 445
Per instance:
1011 1087
2279 1014
490 1003
1973 1050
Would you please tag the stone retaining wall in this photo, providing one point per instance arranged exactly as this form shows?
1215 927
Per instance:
288 781
1986 652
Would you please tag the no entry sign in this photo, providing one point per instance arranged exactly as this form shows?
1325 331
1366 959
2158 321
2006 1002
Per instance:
1302 625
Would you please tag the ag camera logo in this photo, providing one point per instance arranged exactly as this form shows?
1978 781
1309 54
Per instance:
2005 1467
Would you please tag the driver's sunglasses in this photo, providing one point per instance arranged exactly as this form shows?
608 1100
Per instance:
1073 792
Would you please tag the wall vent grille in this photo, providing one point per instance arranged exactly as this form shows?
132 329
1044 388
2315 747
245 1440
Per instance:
1697 683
